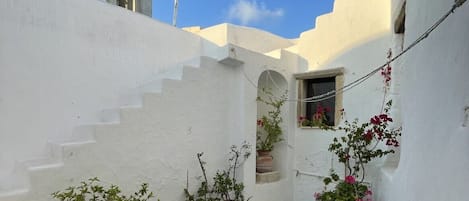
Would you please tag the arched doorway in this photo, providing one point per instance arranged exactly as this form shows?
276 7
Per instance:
272 86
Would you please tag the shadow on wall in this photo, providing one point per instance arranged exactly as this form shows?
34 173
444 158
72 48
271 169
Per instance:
359 50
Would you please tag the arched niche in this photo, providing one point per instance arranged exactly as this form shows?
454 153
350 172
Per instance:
277 86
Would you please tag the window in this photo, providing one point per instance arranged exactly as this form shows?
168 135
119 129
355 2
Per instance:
315 87
399 25
316 83
129 4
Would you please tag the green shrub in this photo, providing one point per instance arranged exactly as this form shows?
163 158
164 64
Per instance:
224 186
92 190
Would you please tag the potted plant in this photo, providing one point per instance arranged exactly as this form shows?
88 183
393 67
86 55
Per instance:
318 119
269 131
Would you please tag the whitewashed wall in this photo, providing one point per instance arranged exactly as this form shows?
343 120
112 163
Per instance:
246 37
62 62
250 72
355 36
434 92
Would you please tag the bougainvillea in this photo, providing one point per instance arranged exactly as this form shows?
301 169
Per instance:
386 71
358 147
355 149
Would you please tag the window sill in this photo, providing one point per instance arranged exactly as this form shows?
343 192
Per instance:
313 127
309 127
320 73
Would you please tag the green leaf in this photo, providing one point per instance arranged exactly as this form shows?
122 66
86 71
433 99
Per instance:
327 180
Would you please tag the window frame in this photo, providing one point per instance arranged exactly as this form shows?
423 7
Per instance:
302 78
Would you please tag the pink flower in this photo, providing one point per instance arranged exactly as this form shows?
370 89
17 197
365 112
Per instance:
368 136
317 116
319 109
358 199
368 196
375 120
347 157
260 123
368 192
317 195
379 134
350 179
389 142
383 116
301 118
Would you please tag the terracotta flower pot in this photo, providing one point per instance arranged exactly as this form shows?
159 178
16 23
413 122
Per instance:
264 162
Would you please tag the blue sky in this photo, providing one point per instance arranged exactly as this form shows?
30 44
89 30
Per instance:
287 18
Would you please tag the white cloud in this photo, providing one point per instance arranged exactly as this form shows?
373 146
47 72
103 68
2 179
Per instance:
249 11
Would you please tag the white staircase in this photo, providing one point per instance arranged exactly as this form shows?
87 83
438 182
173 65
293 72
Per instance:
132 142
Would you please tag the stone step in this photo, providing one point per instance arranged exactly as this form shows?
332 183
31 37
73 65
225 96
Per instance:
94 144
267 177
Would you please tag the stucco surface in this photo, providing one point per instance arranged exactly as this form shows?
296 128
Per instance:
89 89
349 25
156 143
246 37
356 38
63 63
434 93
91 100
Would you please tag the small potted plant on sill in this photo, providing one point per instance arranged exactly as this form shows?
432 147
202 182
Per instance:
269 131
318 119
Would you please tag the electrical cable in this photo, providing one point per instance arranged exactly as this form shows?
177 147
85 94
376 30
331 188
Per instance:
360 80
